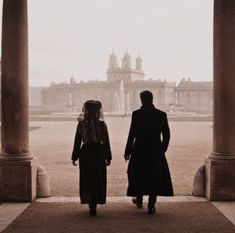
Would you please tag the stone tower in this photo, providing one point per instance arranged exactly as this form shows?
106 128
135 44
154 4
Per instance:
124 73
126 61
138 64
113 63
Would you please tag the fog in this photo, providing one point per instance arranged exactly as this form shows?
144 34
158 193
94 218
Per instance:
76 37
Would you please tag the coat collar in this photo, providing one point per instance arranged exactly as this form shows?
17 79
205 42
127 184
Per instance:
147 107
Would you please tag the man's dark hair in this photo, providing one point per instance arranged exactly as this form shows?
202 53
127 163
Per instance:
146 97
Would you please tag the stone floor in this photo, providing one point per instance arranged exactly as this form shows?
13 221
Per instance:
180 214
51 143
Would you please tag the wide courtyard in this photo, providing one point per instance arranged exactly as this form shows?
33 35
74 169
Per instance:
52 141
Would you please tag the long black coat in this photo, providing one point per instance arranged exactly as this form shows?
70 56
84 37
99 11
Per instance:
148 140
92 167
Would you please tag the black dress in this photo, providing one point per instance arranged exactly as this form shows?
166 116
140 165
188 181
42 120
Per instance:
92 156
148 172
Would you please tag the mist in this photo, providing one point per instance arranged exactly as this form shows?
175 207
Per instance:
75 38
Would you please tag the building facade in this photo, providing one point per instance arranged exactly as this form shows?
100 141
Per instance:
120 92
194 96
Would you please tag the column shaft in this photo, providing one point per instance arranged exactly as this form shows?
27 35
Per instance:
224 78
14 132
17 167
220 166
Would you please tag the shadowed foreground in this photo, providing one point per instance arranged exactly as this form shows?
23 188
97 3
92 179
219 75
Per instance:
121 217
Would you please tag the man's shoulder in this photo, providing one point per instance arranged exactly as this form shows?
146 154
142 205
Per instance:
160 112
157 112
136 114
136 111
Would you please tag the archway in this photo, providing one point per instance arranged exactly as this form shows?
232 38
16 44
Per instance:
16 160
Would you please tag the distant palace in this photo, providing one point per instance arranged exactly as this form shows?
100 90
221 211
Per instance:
120 92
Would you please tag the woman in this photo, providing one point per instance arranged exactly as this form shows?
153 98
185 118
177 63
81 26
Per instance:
92 148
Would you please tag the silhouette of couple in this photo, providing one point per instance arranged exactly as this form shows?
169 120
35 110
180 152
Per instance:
148 139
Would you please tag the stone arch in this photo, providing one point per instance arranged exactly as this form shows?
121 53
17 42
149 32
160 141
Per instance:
16 160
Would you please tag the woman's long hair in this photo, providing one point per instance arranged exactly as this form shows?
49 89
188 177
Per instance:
91 117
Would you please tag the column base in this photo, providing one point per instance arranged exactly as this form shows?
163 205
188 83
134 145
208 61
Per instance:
18 180
220 176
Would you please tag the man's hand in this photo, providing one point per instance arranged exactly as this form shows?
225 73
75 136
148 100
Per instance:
107 162
74 162
126 157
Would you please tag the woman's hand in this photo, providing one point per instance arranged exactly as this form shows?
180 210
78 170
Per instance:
126 157
74 162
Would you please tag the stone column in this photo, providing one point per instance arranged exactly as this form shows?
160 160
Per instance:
17 165
220 166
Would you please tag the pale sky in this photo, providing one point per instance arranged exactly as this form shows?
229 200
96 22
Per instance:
76 37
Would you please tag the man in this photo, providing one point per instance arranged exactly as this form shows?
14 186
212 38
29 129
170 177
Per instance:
148 172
